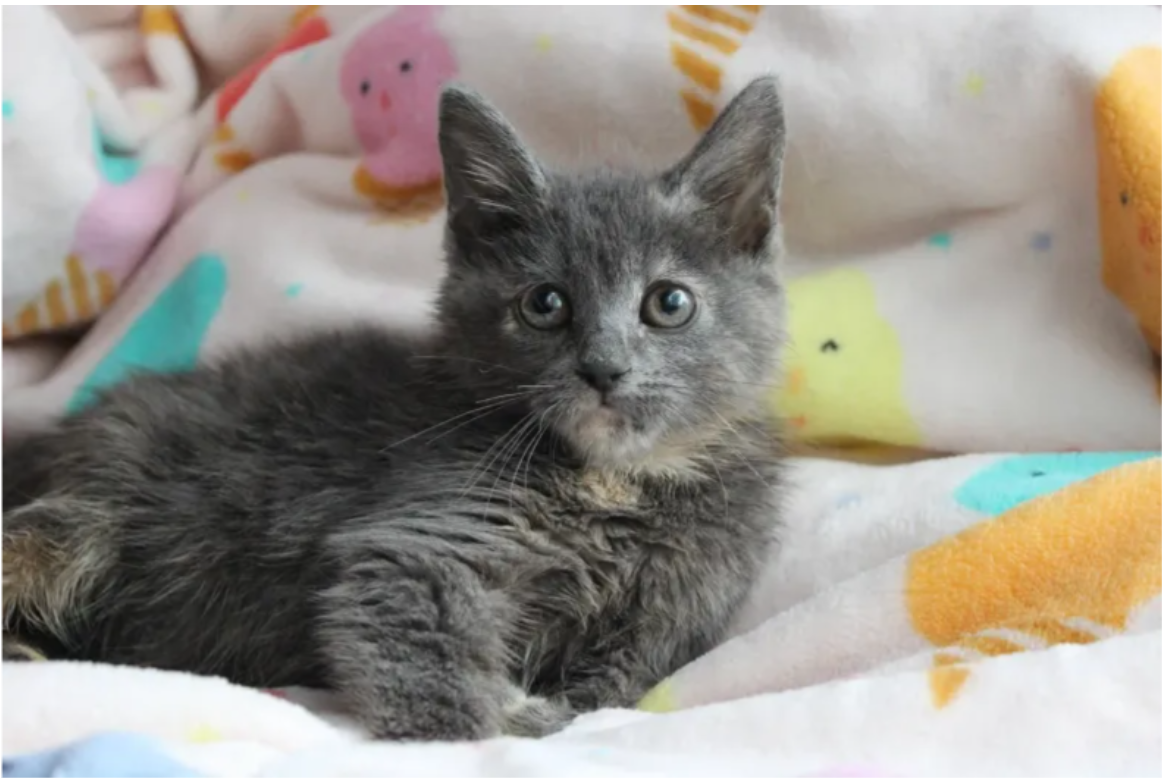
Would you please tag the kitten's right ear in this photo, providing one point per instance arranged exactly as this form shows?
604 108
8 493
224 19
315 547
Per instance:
491 181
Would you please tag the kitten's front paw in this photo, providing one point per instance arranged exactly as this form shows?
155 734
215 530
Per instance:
534 717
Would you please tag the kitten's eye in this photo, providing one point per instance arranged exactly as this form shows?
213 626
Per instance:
545 307
668 305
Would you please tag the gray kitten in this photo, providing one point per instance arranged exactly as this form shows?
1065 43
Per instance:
546 508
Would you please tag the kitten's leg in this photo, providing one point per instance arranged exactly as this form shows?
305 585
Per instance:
57 551
415 646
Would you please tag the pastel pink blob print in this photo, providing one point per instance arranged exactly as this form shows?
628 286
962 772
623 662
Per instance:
391 78
122 220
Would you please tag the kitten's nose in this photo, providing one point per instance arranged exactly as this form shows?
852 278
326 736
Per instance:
601 375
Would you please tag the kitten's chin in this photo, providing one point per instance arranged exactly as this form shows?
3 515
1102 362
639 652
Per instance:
610 439
606 438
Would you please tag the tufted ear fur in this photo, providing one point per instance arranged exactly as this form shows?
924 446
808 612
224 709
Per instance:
492 182
734 172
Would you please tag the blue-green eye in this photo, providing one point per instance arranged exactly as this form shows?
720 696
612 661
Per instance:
668 305
544 307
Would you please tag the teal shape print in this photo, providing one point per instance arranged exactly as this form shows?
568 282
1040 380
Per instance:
1011 481
168 335
940 240
115 168
9 109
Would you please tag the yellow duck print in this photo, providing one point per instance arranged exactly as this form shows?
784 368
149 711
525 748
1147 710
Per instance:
1127 116
843 379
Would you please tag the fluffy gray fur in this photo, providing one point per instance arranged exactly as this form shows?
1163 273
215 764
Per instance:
483 532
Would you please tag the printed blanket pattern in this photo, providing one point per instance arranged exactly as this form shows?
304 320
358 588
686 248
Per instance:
974 230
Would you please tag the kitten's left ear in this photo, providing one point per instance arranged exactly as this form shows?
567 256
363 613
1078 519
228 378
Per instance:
735 169
491 179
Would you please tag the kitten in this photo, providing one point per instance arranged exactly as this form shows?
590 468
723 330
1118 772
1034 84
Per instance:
563 494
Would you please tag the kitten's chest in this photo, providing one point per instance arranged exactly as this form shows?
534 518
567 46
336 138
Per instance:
596 514
571 546
590 534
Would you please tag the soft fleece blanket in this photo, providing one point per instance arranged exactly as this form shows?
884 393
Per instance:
972 210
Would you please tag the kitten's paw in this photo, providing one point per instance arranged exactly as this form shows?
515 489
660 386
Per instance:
534 717
430 708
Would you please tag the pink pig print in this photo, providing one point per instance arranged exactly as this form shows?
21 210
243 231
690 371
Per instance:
391 78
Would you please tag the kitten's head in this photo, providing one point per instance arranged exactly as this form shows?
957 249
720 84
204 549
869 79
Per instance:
639 315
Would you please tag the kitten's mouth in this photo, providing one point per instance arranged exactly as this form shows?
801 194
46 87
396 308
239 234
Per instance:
605 429
596 419
603 417
611 400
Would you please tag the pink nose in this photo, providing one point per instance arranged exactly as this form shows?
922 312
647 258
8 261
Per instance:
385 102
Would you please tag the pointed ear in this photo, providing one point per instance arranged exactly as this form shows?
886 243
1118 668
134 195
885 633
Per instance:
492 182
735 170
